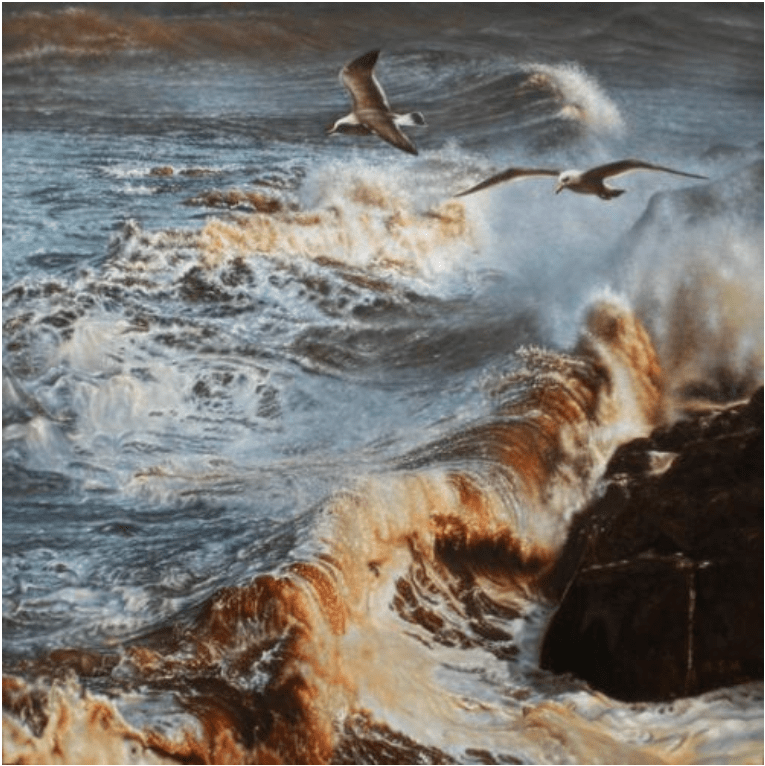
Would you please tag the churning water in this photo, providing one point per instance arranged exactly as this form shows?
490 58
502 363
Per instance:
289 432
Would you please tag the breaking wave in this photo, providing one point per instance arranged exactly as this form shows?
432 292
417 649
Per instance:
580 97
293 438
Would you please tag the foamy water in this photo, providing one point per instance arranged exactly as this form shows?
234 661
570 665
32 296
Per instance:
291 435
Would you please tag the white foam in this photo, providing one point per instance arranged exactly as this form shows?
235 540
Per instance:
582 98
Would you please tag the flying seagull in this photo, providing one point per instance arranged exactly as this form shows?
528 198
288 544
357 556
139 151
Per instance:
591 181
371 111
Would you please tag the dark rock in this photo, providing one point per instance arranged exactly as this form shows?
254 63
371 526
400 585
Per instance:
661 579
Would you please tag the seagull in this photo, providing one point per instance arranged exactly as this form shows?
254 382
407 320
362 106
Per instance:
591 181
371 111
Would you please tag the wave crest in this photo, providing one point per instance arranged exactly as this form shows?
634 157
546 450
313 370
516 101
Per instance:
445 554
580 96
355 221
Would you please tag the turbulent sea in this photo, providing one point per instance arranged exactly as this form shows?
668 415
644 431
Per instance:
291 435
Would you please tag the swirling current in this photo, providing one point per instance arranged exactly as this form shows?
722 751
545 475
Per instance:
292 435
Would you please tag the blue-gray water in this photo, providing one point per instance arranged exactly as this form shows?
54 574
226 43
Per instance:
219 323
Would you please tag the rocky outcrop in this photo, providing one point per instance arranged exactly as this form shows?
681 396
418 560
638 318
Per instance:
661 579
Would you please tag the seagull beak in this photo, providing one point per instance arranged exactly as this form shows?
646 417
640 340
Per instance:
559 188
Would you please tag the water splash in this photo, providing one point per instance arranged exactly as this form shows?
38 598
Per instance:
581 98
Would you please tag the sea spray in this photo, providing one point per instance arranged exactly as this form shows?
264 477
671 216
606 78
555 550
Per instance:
476 518
581 98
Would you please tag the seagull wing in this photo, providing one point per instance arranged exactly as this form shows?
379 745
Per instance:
509 175
358 77
628 166
382 125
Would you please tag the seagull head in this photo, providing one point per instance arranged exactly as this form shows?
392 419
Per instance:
567 179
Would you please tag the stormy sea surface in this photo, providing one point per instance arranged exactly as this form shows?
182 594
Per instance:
291 434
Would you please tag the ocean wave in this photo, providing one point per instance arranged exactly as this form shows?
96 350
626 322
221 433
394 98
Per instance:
84 32
413 589
453 548
580 97
292 437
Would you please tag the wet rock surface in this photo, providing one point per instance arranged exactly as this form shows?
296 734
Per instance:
661 579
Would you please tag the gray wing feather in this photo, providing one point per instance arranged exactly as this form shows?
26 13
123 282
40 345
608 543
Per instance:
358 77
509 175
384 127
628 166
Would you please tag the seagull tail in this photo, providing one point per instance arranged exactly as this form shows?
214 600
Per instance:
412 119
